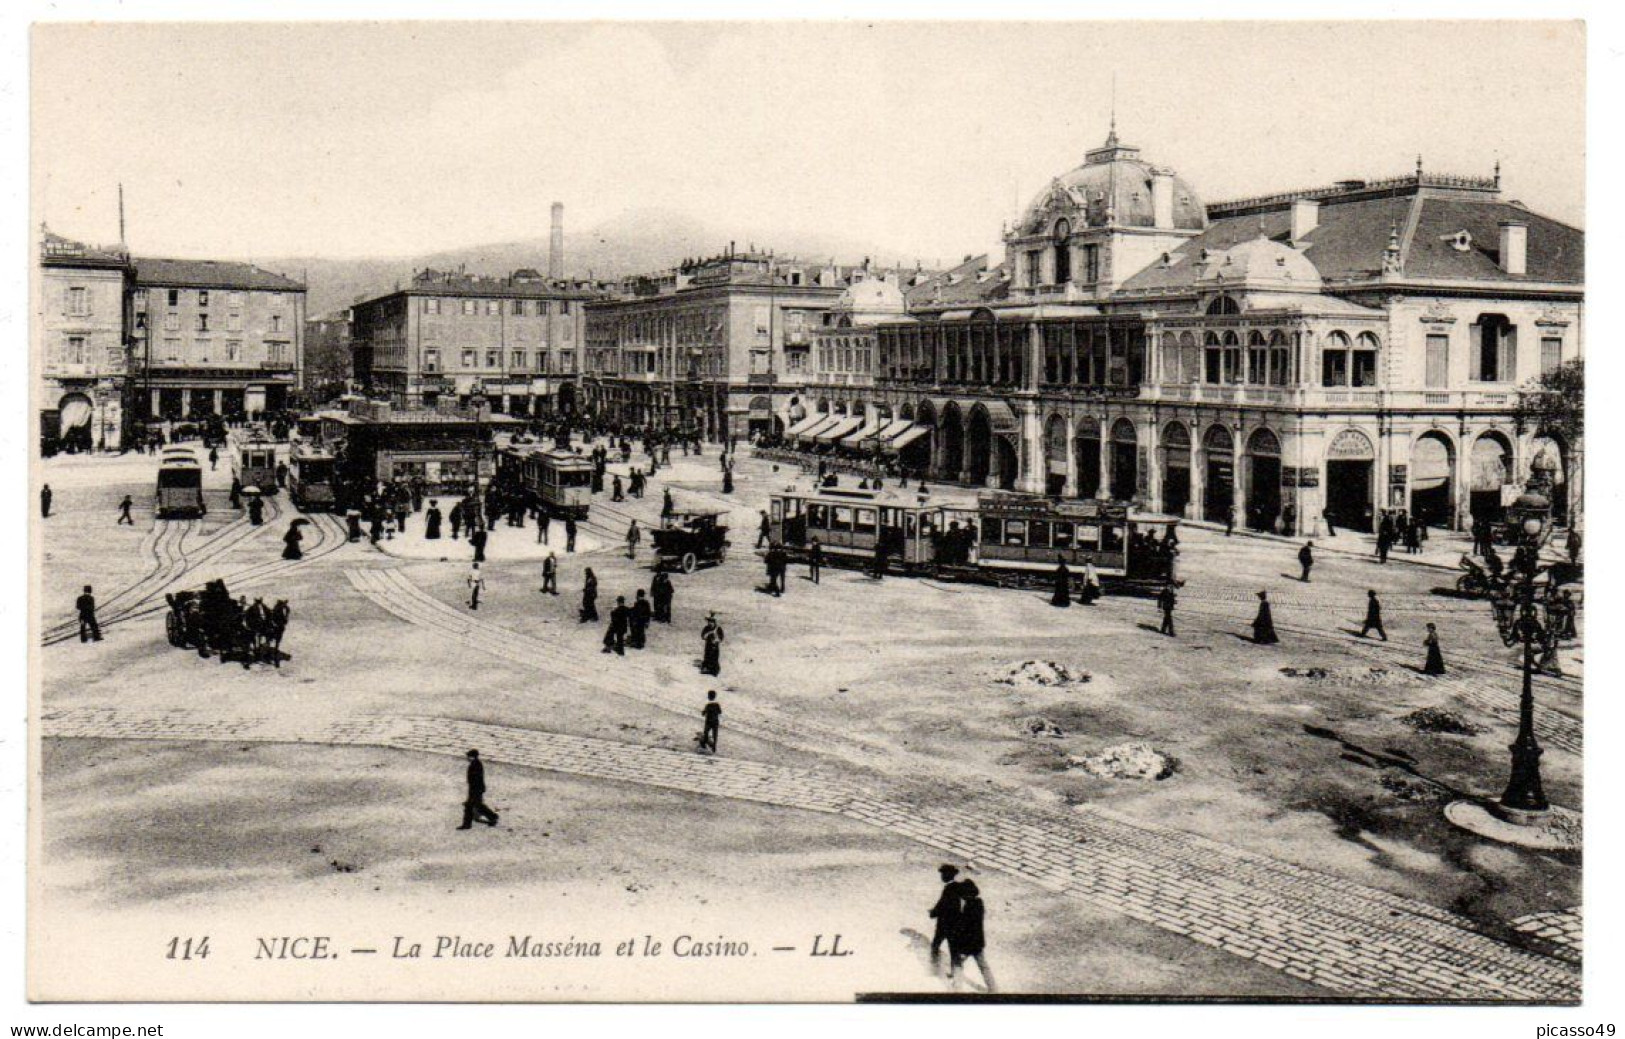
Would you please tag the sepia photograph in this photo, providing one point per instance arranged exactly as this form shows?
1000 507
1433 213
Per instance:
806 511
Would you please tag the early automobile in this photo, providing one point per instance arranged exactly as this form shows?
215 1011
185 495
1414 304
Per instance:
687 539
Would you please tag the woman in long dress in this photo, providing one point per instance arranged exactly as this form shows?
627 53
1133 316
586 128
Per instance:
589 596
1063 584
431 522
290 542
1091 584
1435 661
1264 623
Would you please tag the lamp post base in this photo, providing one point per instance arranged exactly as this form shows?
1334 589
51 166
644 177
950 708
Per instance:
1524 816
1555 829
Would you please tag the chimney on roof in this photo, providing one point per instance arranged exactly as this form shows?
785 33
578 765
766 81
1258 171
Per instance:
555 244
1514 247
1162 198
1305 218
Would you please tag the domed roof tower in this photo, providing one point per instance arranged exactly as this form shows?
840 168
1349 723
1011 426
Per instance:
1097 224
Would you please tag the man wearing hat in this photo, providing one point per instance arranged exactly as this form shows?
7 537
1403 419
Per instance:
475 807
946 911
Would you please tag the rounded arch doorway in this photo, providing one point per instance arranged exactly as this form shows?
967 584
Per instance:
1263 480
1350 469
1433 480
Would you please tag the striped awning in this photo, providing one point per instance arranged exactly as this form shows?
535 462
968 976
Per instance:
824 422
804 425
868 430
840 429
906 437
892 428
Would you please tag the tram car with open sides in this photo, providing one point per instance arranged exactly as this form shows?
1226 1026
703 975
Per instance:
560 480
180 484
254 463
310 478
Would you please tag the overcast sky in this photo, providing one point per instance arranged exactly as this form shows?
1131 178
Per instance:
237 140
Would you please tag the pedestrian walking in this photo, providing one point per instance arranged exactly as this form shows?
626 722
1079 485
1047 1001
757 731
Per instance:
431 521
711 716
712 636
667 506
1062 595
256 510
1373 616
619 620
638 620
1306 560
815 561
633 536
45 497
1166 600
1435 659
476 537
1264 622
474 806
543 521
89 630
727 481
946 911
616 493
569 534
1384 543
476 585
763 532
968 941
124 512
550 575
456 518
589 596
1574 538
214 458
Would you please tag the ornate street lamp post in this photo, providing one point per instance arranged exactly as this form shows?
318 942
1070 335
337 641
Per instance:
1522 618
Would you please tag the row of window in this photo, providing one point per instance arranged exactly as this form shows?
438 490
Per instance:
205 351
518 360
493 307
234 298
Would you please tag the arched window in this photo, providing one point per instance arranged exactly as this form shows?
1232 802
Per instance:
1495 349
1257 359
1364 365
1213 359
1232 358
1280 358
1223 305
1334 360
1063 252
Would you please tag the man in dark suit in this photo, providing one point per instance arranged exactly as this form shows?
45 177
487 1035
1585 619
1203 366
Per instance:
475 807
815 561
619 620
89 630
946 911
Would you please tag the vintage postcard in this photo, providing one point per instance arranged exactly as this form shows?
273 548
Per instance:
807 511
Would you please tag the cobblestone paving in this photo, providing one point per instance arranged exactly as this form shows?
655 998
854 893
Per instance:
1349 939
1558 931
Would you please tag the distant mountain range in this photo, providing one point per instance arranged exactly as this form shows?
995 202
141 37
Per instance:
632 243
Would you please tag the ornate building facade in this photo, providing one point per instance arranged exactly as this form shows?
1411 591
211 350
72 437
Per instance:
1280 362
721 345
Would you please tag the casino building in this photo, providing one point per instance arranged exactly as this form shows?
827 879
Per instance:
1277 361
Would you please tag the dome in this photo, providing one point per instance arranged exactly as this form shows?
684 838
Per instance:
1113 180
1260 263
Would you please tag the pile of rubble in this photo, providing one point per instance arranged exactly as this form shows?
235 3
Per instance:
1352 675
1043 674
1128 761
1434 719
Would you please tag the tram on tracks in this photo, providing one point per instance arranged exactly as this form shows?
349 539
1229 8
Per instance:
254 464
1006 538
311 478
560 480
180 484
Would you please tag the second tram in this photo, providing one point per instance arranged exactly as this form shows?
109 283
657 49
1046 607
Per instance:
561 481
180 484
310 479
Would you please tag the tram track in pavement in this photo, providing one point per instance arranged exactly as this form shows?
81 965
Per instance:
1245 903
175 564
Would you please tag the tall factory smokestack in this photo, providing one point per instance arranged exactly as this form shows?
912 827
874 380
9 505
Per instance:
555 250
